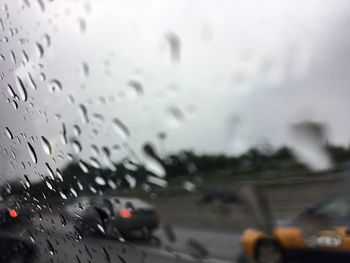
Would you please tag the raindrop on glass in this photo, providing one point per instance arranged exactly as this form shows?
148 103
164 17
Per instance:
9 133
32 153
46 145
83 166
55 85
31 81
76 146
121 129
40 50
21 89
100 181
84 114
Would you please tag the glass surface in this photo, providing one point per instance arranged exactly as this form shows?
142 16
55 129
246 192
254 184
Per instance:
173 131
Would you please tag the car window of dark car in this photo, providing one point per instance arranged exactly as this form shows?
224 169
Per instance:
338 207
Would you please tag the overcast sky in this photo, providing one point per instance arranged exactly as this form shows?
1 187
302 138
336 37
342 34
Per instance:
215 76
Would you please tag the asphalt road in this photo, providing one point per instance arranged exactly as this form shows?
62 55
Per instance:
59 242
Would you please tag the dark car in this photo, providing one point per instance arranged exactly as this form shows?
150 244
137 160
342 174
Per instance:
114 216
319 234
15 226
14 212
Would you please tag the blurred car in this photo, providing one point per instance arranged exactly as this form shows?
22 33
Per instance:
15 221
13 212
319 234
113 215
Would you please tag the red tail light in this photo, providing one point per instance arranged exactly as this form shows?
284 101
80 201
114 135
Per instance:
125 213
13 213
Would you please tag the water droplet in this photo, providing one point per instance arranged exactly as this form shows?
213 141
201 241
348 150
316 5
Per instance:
95 163
153 161
21 89
31 81
42 76
100 181
174 46
48 184
63 195
196 249
10 91
50 247
47 40
51 174
64 134
82 25
27 181
189 186
63 220
77 130
32 153
25 57
136 86
176 117
108 258
13 56
157 181
73 191
59 175
84 114
83 166
131 180
169 232
121 129
76 146
46 145
40 50
9 133
55 85
86 69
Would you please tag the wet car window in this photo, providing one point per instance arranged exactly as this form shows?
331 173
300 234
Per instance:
174 131
338 207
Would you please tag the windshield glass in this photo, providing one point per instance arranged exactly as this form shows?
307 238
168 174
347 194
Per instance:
167 131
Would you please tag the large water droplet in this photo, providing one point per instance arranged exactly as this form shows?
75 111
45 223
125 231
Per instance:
136 86
9 133
100 181
157 181
94 163
64 134
84 113
10 91
153 161
27 181
82 25
31 81
55 85
32 153
83 166
59 175
77 130
63 220
176 116
46 145
21 89
51 174
85 68
40 50
121 129
76 146
50 247
174 46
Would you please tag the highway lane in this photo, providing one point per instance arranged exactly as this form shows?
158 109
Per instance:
59 242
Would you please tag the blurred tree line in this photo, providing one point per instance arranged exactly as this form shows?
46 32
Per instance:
127 174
